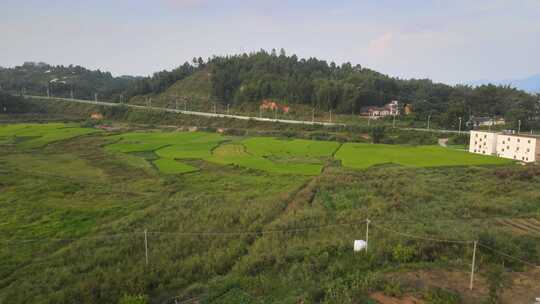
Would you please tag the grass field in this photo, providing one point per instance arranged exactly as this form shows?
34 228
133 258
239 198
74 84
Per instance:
250 227
358 156
29 136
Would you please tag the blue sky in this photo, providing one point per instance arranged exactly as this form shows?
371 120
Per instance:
448 41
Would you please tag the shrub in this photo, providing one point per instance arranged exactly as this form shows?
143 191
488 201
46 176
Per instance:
441 296
133 299
403 253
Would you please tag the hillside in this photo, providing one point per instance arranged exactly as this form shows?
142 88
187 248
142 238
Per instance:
193 92
243 81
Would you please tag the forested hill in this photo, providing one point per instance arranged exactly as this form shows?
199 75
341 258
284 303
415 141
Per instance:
250 78
36 78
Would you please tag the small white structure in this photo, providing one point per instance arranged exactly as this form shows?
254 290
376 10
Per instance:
359 245
525 148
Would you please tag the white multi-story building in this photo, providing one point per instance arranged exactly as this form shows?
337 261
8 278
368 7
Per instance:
483 143
520 147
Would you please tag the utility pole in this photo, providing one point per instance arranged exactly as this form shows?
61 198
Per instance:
313 115
367 233
71 94
48 92
176 103
459 129
519 126
330 116
394 121
95 97
215 108
227 109
472 265
146 245
121 98
428 119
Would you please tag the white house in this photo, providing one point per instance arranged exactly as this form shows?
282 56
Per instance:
389 109
525 148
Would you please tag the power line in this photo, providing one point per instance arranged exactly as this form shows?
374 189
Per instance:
422 237
508 256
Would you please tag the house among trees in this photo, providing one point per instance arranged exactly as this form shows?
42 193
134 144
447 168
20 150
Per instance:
268 104
389 109
96 116
478 121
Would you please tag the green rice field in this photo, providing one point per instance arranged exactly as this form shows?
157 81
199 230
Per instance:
170 150
30 136
358 156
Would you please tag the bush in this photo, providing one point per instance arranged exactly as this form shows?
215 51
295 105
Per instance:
441 296
133 299
403 253
497 281
377 134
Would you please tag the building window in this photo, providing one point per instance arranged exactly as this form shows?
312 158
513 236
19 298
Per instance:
518 139
528 150
508 138
529 141
517 148
508 147
527 159
503 142
476 135
485 136
514 157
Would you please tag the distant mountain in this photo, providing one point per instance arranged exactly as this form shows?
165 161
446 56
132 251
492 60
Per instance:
530 84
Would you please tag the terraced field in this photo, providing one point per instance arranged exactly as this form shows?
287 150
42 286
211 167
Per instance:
526 226
169 147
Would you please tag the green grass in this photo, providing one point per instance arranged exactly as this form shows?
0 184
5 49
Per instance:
31 136
268 146
358 156
171 166
73 216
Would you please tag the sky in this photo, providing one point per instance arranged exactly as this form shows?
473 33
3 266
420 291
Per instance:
453 41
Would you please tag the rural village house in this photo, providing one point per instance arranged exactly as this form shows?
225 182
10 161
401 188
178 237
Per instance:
389 109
